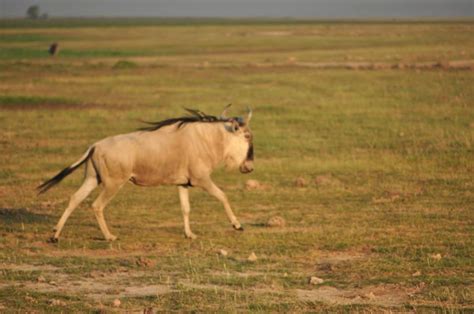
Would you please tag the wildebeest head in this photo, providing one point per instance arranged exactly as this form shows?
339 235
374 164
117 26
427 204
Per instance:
239 140
240 150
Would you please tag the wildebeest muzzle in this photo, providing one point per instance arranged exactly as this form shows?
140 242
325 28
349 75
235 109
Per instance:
247 165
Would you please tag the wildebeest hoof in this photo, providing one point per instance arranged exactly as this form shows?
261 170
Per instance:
239 228
111 238
53 240
191 236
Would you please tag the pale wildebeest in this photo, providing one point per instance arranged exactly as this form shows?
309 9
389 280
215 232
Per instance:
180 151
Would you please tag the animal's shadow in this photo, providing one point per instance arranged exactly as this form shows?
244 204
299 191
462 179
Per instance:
257 224
22 215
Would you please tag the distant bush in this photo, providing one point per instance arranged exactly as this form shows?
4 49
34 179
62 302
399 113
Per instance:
33 12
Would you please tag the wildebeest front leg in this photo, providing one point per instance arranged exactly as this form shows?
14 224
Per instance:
212 189
186 208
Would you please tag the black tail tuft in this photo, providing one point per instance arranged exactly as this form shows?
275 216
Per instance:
55 180
60 176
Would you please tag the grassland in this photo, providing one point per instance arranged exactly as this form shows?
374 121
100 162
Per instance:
385 219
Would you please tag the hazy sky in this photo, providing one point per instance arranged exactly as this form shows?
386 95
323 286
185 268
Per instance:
244 8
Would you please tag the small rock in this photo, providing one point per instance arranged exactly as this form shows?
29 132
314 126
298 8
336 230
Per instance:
30 299
301 182
276 221
223 252
315 280
148 310
369 296
436 257
416 274
253 185
55 302
116 303
41 279
326 267
145 262
252 257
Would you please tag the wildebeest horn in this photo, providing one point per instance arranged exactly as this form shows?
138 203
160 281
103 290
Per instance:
224 113
249 116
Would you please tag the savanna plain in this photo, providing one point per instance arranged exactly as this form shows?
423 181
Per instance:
363 135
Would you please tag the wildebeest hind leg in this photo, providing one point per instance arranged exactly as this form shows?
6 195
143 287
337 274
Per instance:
89 184
99 204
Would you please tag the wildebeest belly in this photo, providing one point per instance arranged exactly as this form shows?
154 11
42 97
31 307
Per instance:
158 173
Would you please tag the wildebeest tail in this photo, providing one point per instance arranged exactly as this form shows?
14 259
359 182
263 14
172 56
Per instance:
65 172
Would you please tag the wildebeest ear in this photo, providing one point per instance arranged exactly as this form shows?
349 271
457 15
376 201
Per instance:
232 125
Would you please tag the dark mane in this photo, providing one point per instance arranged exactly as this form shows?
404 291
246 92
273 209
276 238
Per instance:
196 116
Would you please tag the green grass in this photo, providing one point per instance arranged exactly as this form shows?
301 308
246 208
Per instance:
395 147
30 100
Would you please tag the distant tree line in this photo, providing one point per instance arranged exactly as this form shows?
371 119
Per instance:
33 12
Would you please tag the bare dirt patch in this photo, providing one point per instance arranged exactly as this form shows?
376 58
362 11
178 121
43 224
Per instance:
288 230
106 286
151 290
246 274
275 33
381 295
27 267
448 65
220 288
335 257
369 65
95 253
103 286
